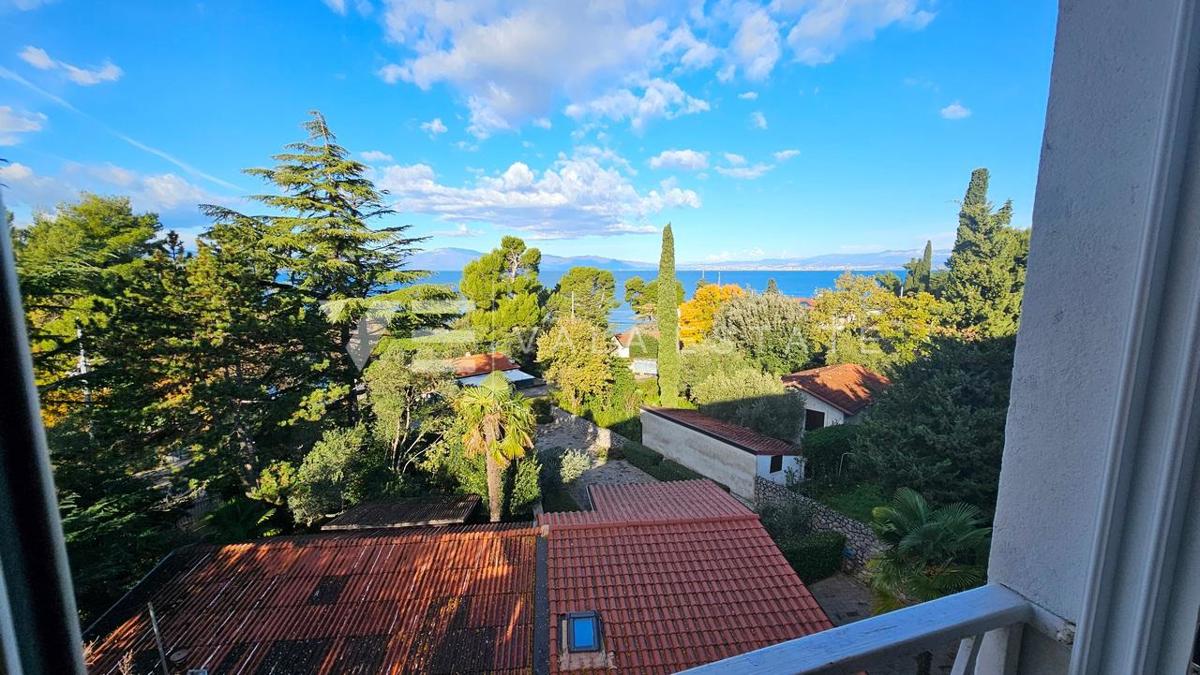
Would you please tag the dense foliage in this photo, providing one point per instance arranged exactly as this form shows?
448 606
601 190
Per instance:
768 328
507 297
584 293
754 399
666 311
696 315
575 355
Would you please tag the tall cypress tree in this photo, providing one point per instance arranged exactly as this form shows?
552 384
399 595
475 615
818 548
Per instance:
918 271
667 312
986 276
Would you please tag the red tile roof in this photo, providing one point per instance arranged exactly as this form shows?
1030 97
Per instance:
846 386
481 364
675 586
625 338
456 599
746 439
449 510
640 502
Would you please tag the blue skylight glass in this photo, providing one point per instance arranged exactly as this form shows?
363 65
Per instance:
583 633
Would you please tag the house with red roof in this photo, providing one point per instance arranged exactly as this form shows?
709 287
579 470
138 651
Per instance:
727 453
836 394
470 370
657 578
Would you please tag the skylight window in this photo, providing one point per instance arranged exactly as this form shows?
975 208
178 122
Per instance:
582 631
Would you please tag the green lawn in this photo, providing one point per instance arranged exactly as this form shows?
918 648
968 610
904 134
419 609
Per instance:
855 500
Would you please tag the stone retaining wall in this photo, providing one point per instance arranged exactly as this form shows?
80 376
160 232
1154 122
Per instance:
861 542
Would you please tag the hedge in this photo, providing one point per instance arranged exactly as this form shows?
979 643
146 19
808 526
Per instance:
655 464
815 556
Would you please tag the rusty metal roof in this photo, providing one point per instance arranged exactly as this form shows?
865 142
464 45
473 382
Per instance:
448 510
452 599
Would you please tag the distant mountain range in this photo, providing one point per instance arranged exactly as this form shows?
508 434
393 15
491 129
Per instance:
453 259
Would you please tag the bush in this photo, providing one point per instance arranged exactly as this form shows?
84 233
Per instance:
787 521
341 470
655 464
525 490
704 360
823 449
542 410
753 399
816 556
648 388
572 464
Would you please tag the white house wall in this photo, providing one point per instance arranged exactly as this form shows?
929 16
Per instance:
793 463
726 464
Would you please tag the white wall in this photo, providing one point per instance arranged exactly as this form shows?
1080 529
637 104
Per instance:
832 415
795 463
731 466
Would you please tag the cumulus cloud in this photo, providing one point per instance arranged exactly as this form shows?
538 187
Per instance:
375 156
692 53
576 196
433 127
462 230
748 95
159 193
758 120
825 28
785 155
745 172
756 45
734 159
955 111
40 59
659 99
13 123
689 160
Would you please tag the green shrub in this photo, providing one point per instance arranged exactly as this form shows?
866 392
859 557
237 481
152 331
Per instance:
542 410
790 520
655 464
823 449
572 464
751 398
648 388
815 556
706 359
525 490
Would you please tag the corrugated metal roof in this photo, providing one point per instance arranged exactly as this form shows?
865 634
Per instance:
447 510
454 599
674 593
738 436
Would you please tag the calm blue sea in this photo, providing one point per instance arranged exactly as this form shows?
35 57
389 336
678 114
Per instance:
804 284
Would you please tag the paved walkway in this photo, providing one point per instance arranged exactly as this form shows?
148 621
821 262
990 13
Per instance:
846 600
612 472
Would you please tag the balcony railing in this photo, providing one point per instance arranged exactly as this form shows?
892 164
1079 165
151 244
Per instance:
887 638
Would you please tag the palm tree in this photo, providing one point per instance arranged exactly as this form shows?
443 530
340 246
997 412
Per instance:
933 552
499 424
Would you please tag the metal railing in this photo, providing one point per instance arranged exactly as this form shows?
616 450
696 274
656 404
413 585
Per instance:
884 639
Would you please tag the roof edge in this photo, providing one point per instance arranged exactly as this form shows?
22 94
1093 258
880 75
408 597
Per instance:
798 450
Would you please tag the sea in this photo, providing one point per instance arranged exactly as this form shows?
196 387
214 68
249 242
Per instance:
796 283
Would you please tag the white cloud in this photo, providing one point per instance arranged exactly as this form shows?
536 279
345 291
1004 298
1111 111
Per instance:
785 155
748 95
375 156
542 123
576 196
660 99
513 64
339 6
734 159
14 122
745 172
461 230
38 58
755 46
692 53
758 120
825 28
434 127
159 193
955 111
689 160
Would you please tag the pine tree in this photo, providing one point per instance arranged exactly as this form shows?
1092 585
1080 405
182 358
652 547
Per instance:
334 257
507 296
667 311
987 266
584 293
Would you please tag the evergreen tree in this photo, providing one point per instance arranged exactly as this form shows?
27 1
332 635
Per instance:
507 296
772 287
321 222
768 328
987 266
584 293
918 272
642 295
667 312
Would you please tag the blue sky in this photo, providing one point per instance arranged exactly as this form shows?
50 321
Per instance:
784 128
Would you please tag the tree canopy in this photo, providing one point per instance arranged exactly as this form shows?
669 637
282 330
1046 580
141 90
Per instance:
586 293
769 328
506 295
696 315
667 313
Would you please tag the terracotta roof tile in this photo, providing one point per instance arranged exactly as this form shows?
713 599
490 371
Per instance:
738 436
847 386
681 573
448 510
481 364
426 599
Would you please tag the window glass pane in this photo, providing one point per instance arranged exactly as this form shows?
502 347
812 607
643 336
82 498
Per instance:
583 633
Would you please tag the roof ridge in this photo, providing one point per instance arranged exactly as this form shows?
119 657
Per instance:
629 522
